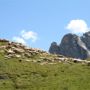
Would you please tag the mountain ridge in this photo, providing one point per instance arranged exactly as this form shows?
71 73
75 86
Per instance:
73 45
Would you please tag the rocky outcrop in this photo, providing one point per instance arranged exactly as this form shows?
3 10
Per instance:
86 39
70 47
13 49
73 46
54 49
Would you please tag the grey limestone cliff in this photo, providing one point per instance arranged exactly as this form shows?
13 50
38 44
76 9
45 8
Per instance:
73 46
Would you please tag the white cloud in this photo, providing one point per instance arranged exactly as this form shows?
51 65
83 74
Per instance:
25 36
77 26
29 35
19 40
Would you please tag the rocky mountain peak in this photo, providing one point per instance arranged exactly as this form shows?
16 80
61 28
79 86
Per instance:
73 46
87 34
69 38
54 48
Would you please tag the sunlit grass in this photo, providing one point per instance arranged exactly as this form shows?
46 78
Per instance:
32 76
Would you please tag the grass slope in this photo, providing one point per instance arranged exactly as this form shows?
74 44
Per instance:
17 74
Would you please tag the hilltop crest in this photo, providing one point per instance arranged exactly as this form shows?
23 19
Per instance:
11 50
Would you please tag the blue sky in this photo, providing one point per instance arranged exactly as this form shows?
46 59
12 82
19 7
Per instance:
39 22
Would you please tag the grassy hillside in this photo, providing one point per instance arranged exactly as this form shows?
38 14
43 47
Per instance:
20 74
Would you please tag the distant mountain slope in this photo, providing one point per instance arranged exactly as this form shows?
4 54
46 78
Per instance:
73 46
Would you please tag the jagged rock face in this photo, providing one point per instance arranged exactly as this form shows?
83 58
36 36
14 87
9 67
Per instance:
54 48
69 47
86 39
73 46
